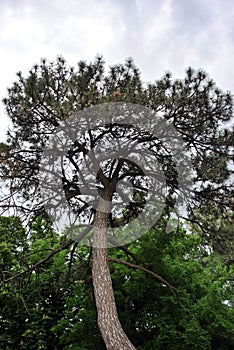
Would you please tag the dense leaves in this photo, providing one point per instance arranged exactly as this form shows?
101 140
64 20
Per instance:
52 307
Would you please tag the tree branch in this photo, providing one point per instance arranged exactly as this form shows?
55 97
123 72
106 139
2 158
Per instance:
125 250
158 277
63 246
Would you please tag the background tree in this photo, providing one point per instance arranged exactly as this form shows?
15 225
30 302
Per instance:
52 306
42 101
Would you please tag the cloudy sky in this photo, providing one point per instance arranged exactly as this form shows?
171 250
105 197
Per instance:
160 35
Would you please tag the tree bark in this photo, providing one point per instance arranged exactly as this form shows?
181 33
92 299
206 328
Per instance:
108 321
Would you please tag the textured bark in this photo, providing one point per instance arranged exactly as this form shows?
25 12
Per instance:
108 321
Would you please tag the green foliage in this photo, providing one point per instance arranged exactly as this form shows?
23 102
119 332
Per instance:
13 245
53 306
153 308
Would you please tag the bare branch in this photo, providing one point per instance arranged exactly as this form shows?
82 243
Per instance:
155 275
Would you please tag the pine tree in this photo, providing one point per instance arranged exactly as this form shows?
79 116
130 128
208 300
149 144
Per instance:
40 103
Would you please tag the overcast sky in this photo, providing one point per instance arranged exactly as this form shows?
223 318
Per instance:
160 35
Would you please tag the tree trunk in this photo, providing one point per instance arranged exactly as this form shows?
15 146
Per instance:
108 321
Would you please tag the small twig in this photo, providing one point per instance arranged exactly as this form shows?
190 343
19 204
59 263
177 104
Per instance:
71 258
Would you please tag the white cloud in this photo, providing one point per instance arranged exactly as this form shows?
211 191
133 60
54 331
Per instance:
160 35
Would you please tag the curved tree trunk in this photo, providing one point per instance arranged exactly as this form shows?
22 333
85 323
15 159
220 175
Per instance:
108 321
